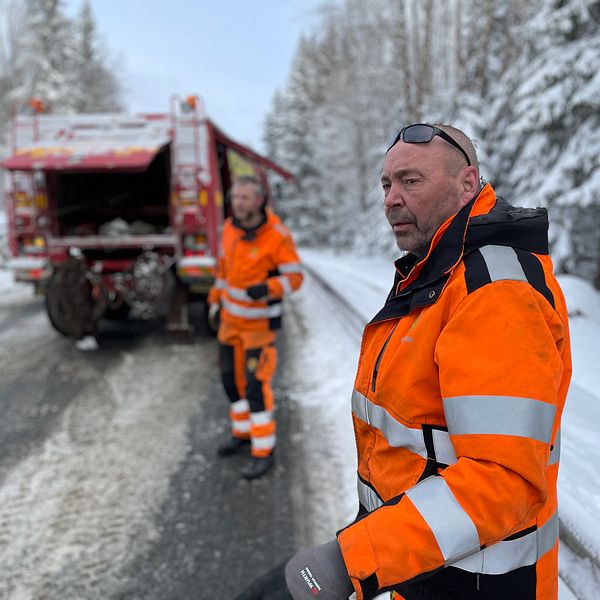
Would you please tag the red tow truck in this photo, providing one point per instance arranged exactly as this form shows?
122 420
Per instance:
112 215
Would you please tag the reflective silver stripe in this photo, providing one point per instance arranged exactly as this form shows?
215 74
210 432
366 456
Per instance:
239 406
367 497
290 268
268 312
266 442
502 263
285 284
442 445
263 417
509 555
220 284
547 535
396 434
238 294
240 426
501 415
555 452
452 527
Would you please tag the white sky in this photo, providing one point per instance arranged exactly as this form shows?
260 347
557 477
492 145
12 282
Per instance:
234 54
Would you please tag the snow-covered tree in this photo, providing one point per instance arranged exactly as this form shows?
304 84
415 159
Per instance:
521 77
546 132
47 56
12 23
290 140
97 88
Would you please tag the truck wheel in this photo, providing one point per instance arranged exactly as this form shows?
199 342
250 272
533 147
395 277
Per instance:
69 301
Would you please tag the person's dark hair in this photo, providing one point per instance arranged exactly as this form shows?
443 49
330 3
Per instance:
251 179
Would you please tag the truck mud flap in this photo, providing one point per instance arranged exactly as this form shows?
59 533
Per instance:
178 316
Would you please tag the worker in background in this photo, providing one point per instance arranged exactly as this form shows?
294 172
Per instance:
457 401
258 266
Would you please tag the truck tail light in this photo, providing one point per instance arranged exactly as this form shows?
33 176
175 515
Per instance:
37 245
194 245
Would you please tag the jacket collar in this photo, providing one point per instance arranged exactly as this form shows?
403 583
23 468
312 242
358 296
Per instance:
249 233
446 247
484 220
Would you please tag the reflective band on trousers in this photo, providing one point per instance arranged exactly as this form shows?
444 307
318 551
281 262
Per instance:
241 426
239 406
399 435
502 263
500 415
263 417
509 555
267 312
266 442
453 529
555 452
290 268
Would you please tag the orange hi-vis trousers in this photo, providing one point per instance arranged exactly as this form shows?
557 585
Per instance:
247 361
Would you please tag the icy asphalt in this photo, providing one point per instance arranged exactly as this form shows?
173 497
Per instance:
110 487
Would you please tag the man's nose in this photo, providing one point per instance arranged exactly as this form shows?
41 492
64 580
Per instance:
394 197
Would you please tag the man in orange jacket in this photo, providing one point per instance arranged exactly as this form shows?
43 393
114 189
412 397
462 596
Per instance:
461 384
257 267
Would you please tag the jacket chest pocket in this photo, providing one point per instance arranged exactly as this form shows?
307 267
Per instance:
405 376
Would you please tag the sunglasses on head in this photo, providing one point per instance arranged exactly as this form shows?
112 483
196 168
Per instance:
421 133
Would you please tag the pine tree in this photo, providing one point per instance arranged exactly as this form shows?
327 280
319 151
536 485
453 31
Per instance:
548 131
47 56
97 89
519 76
44 54
11 32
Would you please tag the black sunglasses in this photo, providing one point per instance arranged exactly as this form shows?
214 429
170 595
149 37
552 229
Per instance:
421 133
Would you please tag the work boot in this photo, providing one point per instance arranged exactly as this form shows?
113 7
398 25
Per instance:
232 446
257 466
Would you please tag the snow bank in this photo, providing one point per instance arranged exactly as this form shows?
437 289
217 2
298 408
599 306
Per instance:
583 300
12 292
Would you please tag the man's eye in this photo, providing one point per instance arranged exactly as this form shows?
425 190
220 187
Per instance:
411 181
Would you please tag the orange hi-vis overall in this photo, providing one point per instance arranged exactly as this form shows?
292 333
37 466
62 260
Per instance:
461 383
247 331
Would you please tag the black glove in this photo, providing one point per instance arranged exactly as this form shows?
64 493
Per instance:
213 316
260 290
270 586
322 568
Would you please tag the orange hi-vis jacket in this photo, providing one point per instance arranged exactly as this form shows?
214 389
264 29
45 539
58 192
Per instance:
267 255
461 383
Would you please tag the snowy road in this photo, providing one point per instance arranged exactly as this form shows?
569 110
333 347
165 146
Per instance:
109 482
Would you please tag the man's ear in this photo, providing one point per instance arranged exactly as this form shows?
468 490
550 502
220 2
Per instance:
470 184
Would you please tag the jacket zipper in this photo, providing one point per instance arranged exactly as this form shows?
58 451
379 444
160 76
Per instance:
380 356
